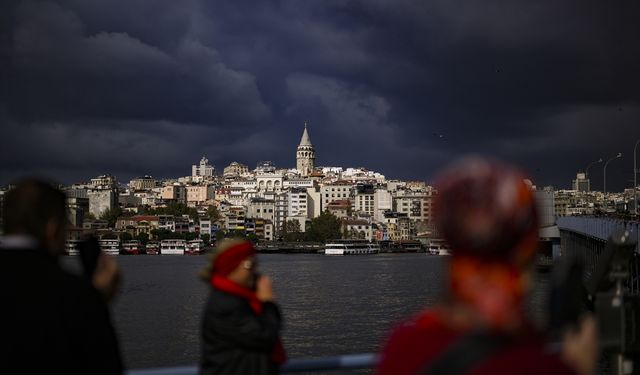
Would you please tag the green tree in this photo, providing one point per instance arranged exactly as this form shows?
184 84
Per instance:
125 236
324 227
220 234
109 236
111 216
213 214
291 231
143 238
206 238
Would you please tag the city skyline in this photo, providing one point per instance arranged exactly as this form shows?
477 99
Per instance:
401 88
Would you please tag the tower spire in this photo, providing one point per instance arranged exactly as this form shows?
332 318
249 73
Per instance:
305 140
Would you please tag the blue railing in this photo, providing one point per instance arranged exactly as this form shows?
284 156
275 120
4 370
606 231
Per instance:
342 362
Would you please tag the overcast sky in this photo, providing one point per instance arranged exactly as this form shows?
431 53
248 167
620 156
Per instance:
133 87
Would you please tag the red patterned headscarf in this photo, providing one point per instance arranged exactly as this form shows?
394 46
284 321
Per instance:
486 212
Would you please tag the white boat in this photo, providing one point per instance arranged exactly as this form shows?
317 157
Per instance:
351 247
71 247
110 247
438 249
172 247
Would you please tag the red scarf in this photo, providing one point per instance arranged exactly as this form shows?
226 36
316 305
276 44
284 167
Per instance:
278 355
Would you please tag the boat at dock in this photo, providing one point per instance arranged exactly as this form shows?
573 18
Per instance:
351 247
172 247
110 246
152 248
132 247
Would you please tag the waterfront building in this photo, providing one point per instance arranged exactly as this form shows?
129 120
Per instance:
581 183
338 190
382 202
175 192
204 169
416 204
199 194
205 226
101 200
77 208
297 203
357 229
261 208
143 183
104 182
265 166
305 154
314 202
364 199
398 225
340 208
235 169
269 181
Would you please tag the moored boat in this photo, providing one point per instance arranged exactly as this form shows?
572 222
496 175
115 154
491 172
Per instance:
110 246
152 248
351 247
172 247
132 247
194 247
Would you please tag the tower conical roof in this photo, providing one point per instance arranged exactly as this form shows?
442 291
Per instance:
305 141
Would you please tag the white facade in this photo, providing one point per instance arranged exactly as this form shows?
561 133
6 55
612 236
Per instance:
203 169
269 182
335 192
382 201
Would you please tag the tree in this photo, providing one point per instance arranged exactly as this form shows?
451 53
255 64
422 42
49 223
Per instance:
291 231
125 236
143 238
324 227
111 215
213 214
109 236
206 238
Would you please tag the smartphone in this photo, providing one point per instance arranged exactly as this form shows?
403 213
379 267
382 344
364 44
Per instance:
89 250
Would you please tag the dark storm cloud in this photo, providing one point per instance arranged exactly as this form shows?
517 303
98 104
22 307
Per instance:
396 86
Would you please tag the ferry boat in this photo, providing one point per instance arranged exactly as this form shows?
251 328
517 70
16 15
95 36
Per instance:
194 247
132 247
71 247
438 249
351 247
153 248
172 247
110 247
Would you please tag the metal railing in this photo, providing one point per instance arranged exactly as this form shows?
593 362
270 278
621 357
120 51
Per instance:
342 362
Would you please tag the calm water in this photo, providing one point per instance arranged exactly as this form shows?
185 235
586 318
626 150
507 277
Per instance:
331 305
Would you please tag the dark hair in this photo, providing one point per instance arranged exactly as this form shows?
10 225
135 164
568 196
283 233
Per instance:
30 205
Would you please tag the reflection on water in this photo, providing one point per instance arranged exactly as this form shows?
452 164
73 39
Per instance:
331 305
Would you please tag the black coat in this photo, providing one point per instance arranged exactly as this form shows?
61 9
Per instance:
52 322
235 339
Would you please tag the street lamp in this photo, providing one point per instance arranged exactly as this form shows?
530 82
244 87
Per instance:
605 169
635 181
586 171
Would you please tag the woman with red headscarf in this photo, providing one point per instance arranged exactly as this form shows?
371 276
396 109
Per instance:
241 322
487 214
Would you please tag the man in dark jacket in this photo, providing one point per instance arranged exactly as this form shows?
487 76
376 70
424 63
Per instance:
241 322
50 321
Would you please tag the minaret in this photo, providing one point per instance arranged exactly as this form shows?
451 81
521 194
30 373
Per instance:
306 154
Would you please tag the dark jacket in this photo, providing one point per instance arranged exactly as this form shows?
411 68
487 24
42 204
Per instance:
235 339
51 321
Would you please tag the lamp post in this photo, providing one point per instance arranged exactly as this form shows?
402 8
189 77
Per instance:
605 170
586 171
635 181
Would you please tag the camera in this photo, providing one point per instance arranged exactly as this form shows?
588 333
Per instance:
606 295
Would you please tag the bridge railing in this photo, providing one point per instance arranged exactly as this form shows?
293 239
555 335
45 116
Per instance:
342 362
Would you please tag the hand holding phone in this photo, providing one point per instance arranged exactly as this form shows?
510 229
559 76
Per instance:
89 250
